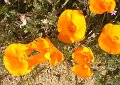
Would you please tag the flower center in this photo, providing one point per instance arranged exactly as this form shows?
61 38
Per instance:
72 28
115 38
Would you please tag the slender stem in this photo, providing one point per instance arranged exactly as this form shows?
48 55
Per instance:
65 3
103 19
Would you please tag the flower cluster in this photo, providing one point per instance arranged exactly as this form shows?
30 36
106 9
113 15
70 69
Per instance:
20 59
72 27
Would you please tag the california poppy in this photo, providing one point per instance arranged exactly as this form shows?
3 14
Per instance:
55 55
40 45
36 59
83 55
17 62
109 39
82 70
50 52
101 6
71 26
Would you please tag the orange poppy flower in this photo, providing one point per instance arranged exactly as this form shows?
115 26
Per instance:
101 6
36 59
44 46
109 39
55 55
72 26
83 55
82 70
40 45
17 62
